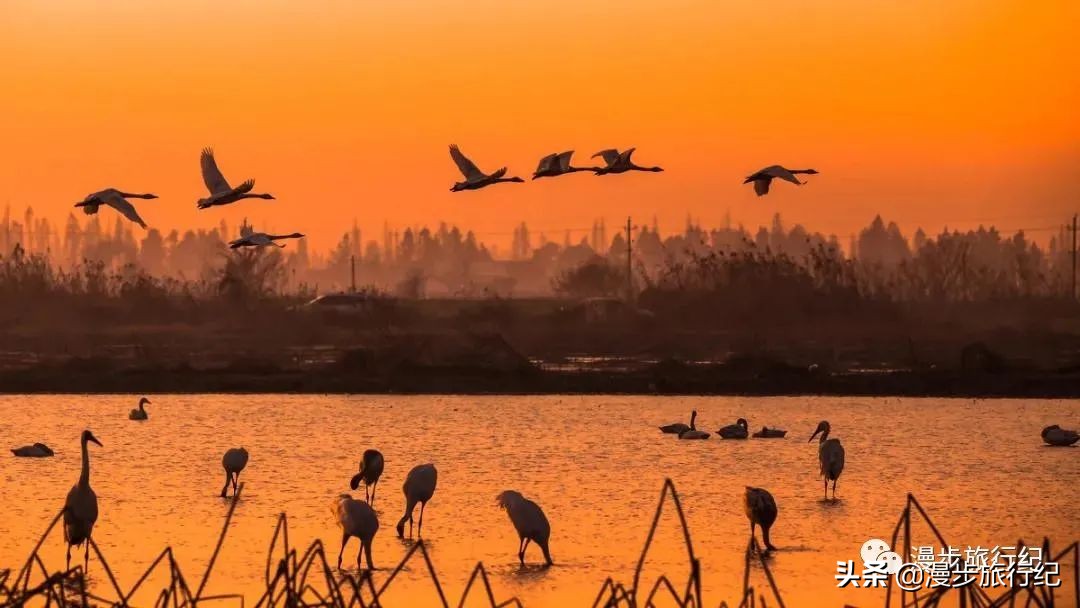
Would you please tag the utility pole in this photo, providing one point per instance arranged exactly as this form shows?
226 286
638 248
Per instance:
630 262
352 271
1072 287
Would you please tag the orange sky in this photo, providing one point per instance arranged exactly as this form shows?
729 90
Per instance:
928 111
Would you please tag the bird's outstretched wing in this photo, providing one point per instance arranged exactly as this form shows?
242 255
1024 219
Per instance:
546 163
245 187
782 173
564 159
626 154
761 185
246 230
212 177
610 156
499 173
466 166
126 209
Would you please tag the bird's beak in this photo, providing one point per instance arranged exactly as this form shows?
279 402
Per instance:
94 439
812 436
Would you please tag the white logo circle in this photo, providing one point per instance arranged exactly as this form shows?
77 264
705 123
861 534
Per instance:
872 548
892 561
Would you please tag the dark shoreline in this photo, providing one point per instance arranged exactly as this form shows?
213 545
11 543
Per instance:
537 382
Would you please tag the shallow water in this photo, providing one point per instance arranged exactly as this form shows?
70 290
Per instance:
596 465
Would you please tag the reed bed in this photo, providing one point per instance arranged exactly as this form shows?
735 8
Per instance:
305 579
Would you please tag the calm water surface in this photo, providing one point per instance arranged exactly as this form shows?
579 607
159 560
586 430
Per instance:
596 465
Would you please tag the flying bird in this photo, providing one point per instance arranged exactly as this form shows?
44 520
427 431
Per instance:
80 507
38 450
358 519
419 487
762 179
371 468
1055 435
554 165
140 412
761 511
261 239
475 178
221 193
234 461
679 427
111 197
529 521
620 162
830 456
738 430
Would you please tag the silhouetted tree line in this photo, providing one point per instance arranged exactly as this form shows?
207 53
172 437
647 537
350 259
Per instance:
774 262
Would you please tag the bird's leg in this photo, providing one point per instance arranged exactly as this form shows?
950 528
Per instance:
86 558
68 558
420 524
367 553
834 489
372 501
225 488
344 539
235 483
765 535
752 530
826 488
523 549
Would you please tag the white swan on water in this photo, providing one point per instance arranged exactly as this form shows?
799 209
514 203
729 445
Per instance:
678 427
37 450
81 506
358 519
140 412
419 487
830 457
529 521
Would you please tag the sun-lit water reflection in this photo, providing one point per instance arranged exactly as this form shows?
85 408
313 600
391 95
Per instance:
594 463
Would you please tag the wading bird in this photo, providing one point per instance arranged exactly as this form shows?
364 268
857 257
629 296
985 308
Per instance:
111 197
830 455
261 239
80 507
619 162
554 165
761 511
762 179
38 450
679 427
474 177
529 521
358 519
371 468
419 487
234 461
140 412
767 433
1055 435
221 193
739 430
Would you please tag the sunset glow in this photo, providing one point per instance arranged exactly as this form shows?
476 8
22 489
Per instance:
930 113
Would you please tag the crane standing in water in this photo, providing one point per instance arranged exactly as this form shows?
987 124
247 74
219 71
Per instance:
529 521
80 507
419 487
830 455
371 468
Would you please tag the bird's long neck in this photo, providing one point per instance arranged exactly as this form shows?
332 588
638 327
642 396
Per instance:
135 195
800 170
693 417
84 477
266 196
141 409
824 436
